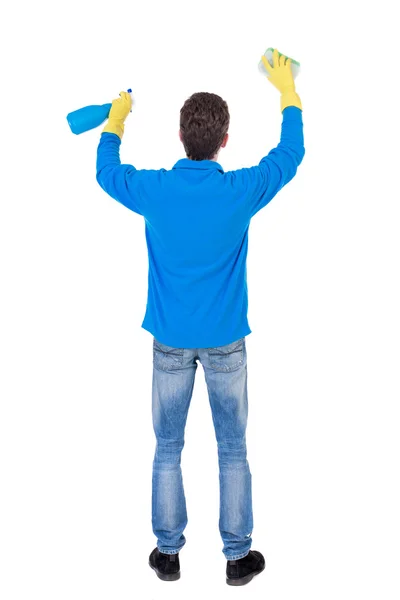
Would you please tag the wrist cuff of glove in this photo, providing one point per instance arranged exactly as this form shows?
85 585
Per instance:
114 126
290 99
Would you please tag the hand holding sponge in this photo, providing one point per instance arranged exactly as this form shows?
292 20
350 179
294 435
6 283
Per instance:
281 76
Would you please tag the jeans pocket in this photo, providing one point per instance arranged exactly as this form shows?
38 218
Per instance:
229 357
166 357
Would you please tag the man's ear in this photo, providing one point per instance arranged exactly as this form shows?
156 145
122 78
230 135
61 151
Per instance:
180 135
225 140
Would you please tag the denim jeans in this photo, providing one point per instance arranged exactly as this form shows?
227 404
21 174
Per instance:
225 371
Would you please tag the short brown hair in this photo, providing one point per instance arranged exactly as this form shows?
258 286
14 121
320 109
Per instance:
204 122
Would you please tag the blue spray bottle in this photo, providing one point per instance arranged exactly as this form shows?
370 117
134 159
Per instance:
89 117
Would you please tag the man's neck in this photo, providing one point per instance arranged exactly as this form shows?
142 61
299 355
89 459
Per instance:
214 159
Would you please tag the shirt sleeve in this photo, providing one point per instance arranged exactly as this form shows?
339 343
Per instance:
278 167
121 182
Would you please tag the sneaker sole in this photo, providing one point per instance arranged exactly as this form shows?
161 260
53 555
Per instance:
166 577
243 580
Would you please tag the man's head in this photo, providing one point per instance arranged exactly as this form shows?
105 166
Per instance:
204 124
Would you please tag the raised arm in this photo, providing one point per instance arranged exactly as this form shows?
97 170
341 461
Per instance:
117 180
279 166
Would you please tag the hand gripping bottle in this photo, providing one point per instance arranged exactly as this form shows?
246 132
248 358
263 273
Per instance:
88 117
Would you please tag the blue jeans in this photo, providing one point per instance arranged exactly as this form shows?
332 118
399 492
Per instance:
225 371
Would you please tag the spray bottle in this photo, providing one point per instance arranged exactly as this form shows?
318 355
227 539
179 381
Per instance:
89 117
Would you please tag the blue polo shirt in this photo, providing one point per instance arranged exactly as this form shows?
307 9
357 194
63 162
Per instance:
197 218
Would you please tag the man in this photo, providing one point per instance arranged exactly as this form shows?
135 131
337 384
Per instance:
197 218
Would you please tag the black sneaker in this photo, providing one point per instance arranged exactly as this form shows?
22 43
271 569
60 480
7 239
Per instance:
165 565
242 571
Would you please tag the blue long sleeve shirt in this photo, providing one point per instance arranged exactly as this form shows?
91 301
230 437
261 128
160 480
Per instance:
196 224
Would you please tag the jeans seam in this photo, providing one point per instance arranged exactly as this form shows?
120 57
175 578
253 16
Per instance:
238 556
167 552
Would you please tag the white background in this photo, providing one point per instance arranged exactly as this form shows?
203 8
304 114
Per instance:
323 271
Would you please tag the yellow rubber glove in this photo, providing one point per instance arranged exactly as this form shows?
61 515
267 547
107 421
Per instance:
280 75
120 109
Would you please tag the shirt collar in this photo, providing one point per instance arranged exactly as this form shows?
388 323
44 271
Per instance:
187 163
